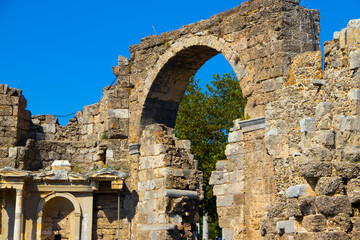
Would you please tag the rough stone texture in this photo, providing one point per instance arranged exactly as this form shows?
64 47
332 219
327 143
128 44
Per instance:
329 186
353 190
304 131
169 186
251 38
312 135
240 205
314 223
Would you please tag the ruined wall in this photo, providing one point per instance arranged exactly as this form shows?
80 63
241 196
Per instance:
14 124
302 181
258 39
243 184
105 222
312 134
292 174
96 137
169 187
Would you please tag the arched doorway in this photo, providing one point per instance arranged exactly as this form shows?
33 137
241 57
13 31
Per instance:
58 217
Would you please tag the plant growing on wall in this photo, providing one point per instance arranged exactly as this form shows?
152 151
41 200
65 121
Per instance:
205 117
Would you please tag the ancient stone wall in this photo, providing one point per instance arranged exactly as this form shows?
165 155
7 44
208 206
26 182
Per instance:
169 186
105 221
308 164
292 174
243 184
96 137
258 38
14 123
312 134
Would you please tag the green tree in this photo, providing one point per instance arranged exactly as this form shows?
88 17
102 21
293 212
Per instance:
205 117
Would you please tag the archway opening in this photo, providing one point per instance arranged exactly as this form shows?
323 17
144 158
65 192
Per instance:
58 219
168 88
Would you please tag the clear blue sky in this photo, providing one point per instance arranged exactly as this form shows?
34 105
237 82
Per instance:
61 52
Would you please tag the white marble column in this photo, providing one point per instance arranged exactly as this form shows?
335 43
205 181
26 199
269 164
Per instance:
18 214
205 227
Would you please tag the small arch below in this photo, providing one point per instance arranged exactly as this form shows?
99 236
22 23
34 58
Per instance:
58 219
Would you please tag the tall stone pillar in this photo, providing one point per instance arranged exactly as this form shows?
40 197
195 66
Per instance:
205 227
18 214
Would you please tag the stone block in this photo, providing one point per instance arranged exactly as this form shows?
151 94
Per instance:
307 205
327 205
249 125
314 223
356 223
325 137
332 236
354 23
118 113
272 84
235 136
4 152
221 165
50 128
51 119
227 233
285 226
219 190
329 186
156 227
239 199
218 177
354 94
324 108
344 123
134 149
276 210
341 222
13 152
235 188
293 208
318 82
6 110
234 148
354 59
185 144
353 190
224 201
295 191
152 149
316 170
175 193
308 124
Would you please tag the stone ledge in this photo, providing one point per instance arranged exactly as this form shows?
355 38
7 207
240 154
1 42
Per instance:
156 227
175 193
134 149
250 125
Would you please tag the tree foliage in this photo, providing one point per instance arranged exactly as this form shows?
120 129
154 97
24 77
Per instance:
205 117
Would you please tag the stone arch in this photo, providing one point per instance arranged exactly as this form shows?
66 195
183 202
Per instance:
77 213
166 83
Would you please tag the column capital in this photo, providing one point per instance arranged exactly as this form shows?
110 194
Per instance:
19 192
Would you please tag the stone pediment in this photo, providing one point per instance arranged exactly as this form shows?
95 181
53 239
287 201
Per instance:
9 172
106 174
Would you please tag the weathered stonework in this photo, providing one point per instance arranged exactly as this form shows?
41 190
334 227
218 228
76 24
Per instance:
313 138
291 170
